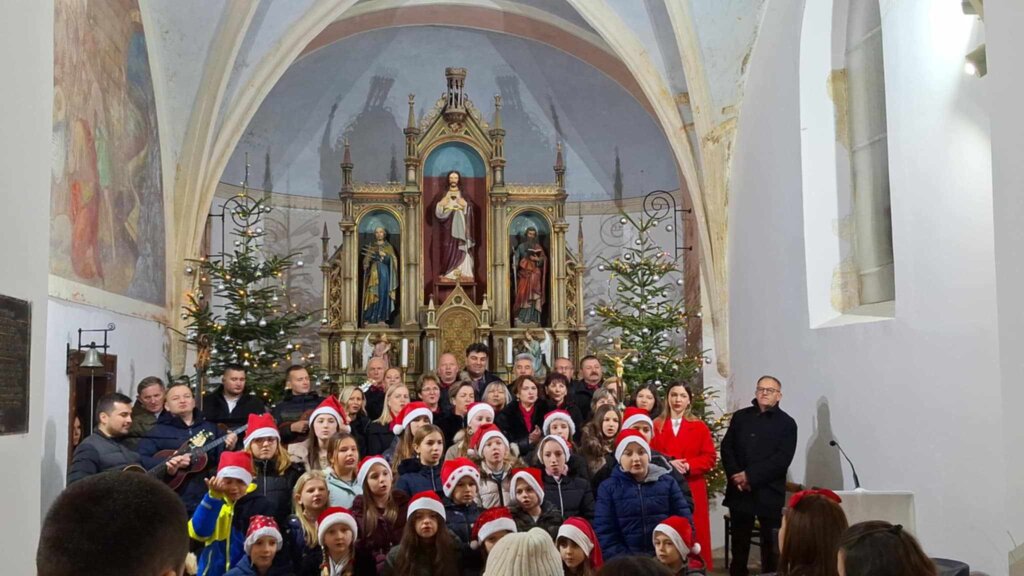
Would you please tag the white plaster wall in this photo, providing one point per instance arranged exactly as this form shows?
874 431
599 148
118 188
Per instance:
141 350
26 65
916 399
1005 85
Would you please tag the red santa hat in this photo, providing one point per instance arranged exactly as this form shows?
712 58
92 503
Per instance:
532 478
477 408
336 515
260 426
482 436
331 407
237 465
680 532
412 411
366 464
260 526
554 438
582 533
559 415
490 521
456 469
627 437
633 416
428 500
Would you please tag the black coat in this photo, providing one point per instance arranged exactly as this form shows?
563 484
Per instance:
761 444
570 495
291 409
549 520
450 424
357 428
276 487
379 438
581 397
169 433
374 402
577 464
99 453
658 459
215 408
510 421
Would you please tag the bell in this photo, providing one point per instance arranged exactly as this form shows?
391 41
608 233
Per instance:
92 359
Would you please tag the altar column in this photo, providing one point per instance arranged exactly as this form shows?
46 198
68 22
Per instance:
350 248
558 307
412 196
499 225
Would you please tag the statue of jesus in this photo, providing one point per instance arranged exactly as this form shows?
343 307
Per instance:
455 216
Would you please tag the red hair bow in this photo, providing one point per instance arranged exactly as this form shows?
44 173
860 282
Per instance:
824 492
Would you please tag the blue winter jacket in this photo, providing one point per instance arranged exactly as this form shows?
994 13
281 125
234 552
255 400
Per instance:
460 518
627 510
414 477
221 527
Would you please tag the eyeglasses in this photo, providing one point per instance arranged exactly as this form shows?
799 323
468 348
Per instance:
767 391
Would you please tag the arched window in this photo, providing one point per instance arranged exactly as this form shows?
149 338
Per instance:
845 163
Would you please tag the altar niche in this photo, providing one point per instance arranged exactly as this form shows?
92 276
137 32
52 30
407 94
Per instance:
451 255
530 269
380 241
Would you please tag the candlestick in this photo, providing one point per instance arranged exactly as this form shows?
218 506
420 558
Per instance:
405 352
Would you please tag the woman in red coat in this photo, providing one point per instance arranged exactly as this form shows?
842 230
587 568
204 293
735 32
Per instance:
687 441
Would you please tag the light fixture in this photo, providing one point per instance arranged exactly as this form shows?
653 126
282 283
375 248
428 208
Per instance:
976 63
973 7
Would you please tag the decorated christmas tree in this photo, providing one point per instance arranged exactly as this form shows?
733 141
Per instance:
239 311
644 321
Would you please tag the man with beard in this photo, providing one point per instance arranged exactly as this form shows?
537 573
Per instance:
105 448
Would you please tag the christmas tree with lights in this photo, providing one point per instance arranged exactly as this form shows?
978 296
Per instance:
239 311
645 321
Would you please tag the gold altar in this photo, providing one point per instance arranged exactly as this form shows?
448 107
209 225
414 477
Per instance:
452 255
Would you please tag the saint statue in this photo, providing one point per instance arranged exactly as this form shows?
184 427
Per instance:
380 279
530 265
455 216
539 351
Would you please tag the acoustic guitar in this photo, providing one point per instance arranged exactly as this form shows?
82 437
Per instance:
197 447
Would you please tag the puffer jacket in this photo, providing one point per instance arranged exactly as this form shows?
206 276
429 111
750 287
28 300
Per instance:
549 520
292 408
278 568
169 433
627 510
385 534
340 492
379 437
571 495
658 459
99 453
221 527
295 542
460 518
414 477
276 487
492 491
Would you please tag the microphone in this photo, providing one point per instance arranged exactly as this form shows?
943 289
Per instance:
856 480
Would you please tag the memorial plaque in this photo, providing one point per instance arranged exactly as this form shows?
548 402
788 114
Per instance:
15 344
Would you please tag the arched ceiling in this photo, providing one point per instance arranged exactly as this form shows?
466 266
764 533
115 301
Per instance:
548 96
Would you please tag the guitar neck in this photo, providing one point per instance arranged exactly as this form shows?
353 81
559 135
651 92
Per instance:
214 444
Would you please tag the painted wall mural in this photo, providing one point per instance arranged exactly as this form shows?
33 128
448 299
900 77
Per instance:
107 208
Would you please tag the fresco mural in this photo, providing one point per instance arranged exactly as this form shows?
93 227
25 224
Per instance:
107 209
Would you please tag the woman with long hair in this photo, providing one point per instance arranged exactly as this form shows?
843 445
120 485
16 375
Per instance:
427 547
341 476
310 499
414 416
326 420
558 397
274 473
523 419
379 511
461 395
687 443
353 400
380 432
646 397
598 438
878 548
812 525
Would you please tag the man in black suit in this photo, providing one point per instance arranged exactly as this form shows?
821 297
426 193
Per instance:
756 453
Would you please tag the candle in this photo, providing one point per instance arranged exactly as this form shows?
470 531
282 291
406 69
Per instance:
508 351
430 355
344 355
405 352
565 347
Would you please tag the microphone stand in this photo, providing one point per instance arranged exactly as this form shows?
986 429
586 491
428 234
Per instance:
856 480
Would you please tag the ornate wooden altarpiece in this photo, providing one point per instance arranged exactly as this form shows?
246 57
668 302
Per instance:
434 314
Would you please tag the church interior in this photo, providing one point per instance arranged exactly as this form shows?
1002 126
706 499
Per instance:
833 186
